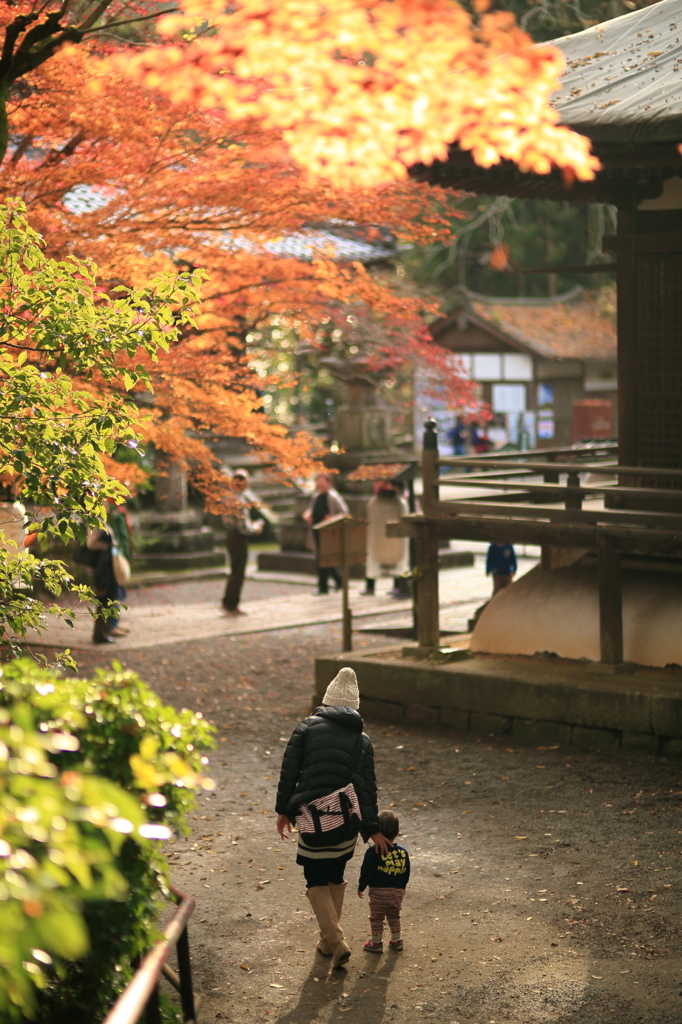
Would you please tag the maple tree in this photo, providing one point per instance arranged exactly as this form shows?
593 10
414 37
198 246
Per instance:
174 189
354 92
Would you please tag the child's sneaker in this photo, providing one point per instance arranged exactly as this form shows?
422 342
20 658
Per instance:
373 947
396 946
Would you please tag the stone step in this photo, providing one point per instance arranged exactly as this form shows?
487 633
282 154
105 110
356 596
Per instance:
201 538
304 561
298 561
179 561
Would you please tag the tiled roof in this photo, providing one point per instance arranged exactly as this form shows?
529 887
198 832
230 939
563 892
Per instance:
306 245
568 327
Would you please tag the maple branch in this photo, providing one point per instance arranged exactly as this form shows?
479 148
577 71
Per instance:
56 155
130 21
21 149
94 16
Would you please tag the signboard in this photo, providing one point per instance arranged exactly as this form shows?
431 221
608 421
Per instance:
342 541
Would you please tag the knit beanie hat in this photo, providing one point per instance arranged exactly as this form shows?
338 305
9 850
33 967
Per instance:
343 691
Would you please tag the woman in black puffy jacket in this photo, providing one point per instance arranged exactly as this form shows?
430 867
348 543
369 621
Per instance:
327 752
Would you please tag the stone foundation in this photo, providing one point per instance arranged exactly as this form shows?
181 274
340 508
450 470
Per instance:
543 701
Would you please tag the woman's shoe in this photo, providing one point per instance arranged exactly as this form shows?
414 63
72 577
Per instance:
396 946
373 947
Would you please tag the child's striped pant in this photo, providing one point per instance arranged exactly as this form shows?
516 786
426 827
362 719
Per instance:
385 903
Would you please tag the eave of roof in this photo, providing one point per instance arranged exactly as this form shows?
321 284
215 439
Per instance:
561 328
622 81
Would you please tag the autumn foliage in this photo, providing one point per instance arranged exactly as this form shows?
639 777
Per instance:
363 89
175 189
210 134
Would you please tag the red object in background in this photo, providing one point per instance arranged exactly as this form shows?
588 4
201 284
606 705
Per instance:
592 419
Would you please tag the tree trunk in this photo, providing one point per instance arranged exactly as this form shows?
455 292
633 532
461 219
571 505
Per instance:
4 126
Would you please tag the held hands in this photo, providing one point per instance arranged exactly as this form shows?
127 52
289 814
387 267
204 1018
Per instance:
381 843
283 824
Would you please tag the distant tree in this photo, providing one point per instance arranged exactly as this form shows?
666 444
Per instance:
70 357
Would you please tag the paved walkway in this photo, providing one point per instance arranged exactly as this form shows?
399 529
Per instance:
462 590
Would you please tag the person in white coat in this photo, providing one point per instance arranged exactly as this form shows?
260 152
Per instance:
325 502
386 556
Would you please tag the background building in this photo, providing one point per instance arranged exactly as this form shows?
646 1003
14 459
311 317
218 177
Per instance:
534 359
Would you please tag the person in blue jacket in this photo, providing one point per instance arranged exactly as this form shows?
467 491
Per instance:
501 565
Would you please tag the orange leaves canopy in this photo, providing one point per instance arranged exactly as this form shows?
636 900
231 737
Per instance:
362 89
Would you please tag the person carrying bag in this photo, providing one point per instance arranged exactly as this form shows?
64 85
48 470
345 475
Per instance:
328 789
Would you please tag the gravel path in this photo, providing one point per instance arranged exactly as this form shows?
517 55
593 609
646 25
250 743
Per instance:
545 880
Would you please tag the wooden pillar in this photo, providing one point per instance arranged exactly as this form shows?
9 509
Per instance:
426 597
573 500
430 468
610 601
347 623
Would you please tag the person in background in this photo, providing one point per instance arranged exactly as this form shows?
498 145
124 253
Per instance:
107 590
501 565
386 556
240 526
479 439
459 436
325 502
121 530
386 875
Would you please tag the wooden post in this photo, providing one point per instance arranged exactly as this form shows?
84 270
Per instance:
426 599
347 642
185 972
430 467
412 506
573 500
610 601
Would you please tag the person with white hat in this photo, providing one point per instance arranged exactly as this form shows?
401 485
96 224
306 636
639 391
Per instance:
328 789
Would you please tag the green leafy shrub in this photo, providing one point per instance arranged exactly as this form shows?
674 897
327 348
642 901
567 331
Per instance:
60 333
93 773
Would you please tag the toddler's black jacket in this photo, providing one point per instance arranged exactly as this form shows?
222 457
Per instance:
385 871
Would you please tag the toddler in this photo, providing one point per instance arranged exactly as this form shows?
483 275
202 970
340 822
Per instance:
386 875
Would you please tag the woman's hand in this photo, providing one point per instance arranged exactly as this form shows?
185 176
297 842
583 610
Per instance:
283 824
382 844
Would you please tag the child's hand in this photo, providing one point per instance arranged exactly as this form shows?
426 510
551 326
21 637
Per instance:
361 895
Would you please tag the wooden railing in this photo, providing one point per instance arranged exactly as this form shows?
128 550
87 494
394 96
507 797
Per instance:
141 996
537 498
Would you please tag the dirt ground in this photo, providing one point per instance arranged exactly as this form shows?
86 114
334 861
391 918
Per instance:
545 881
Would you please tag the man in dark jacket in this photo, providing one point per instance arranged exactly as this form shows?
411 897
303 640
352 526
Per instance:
327 752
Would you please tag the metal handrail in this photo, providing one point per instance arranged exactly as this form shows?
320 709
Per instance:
142 994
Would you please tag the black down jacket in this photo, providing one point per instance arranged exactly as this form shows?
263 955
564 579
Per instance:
326 752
